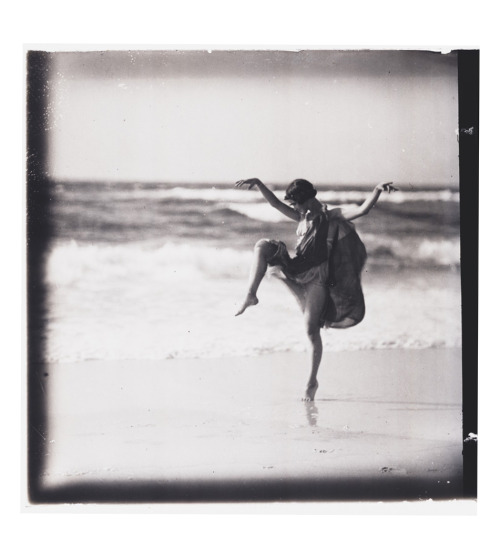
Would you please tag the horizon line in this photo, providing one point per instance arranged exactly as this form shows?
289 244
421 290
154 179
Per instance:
150 183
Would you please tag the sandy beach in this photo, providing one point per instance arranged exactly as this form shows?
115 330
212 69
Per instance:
386 424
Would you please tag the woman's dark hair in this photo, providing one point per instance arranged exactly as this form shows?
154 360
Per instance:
300 190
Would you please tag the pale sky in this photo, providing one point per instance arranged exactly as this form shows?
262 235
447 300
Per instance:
333 117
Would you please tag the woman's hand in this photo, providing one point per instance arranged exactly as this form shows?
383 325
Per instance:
386 187
248 183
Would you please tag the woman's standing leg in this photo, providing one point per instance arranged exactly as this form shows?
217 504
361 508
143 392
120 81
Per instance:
315 299
262 253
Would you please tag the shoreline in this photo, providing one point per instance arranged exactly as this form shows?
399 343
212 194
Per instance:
386 424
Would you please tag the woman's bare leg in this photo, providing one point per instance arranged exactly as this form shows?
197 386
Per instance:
315 299
263 251
297 291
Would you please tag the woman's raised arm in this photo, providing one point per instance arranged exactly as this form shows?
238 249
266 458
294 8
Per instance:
367 205
270 197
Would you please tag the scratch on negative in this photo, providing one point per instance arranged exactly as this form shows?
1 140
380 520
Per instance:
41 386
35 429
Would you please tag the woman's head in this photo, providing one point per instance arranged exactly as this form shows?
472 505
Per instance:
300 191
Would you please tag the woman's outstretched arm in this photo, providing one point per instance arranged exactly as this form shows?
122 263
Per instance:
270 197
367 205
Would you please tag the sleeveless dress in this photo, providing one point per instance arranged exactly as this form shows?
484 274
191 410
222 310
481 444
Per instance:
329 252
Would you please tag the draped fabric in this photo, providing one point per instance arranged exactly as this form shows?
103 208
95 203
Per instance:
345 266
346 260
312 249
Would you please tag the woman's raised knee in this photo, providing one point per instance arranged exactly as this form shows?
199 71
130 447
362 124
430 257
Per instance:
265 247
262 243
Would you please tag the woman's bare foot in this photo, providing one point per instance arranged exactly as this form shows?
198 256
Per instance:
248 302
310 392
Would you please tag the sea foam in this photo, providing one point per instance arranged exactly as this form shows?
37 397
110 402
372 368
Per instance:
70 263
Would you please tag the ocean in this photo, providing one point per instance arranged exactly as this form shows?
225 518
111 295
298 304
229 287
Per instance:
156 271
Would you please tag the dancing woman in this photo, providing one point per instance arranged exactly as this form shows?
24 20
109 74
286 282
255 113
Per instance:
325 273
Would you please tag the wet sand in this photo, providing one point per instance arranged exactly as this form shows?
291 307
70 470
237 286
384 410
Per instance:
386 424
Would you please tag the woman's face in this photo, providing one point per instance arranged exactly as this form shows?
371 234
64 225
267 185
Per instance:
301 208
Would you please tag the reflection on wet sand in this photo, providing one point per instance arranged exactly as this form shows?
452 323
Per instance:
311 413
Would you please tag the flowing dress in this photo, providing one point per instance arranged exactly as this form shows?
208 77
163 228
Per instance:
329 252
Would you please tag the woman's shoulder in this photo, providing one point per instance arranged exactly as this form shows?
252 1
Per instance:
335 214
338 222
